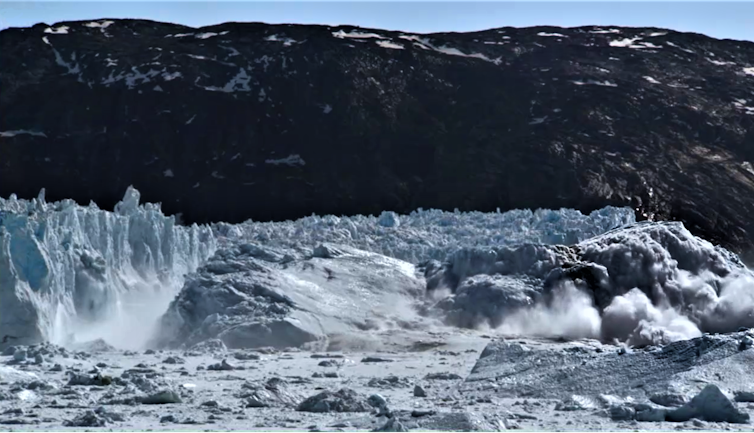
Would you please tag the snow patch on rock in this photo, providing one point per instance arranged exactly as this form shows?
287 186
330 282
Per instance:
99 24
61 30
287 42
291 160
354 34
9 134
390 45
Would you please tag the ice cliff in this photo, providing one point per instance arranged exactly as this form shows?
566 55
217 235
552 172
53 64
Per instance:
74 272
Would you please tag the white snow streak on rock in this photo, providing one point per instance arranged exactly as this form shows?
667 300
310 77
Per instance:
680 48
233 51
8 134
631 43
720 62
741 104
239 83
62 30
287 42
651 80
749 71
99 24
594 83
746 164
538 120
205 35
391 45
426 44
623 43
169 76
643 45
556 35
73 66
291 160
134 77
356 35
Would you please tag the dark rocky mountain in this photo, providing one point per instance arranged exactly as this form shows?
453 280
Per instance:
273 122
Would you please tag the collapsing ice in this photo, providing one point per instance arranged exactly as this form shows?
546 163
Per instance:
644 283
69 272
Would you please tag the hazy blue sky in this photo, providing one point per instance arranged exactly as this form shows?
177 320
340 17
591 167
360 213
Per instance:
719 19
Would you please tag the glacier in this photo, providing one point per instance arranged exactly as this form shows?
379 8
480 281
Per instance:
432 234
73 273
134 278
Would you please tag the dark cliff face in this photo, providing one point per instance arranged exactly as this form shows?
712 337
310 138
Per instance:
242 121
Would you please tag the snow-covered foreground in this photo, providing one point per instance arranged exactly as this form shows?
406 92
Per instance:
581 308
422 381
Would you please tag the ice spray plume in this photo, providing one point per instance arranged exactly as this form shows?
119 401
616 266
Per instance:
72 272
646 283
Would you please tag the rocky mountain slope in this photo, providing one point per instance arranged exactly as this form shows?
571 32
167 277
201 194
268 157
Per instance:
259 121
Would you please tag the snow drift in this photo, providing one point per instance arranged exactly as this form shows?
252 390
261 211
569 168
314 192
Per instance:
68 271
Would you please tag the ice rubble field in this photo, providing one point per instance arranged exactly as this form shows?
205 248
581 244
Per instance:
434 234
